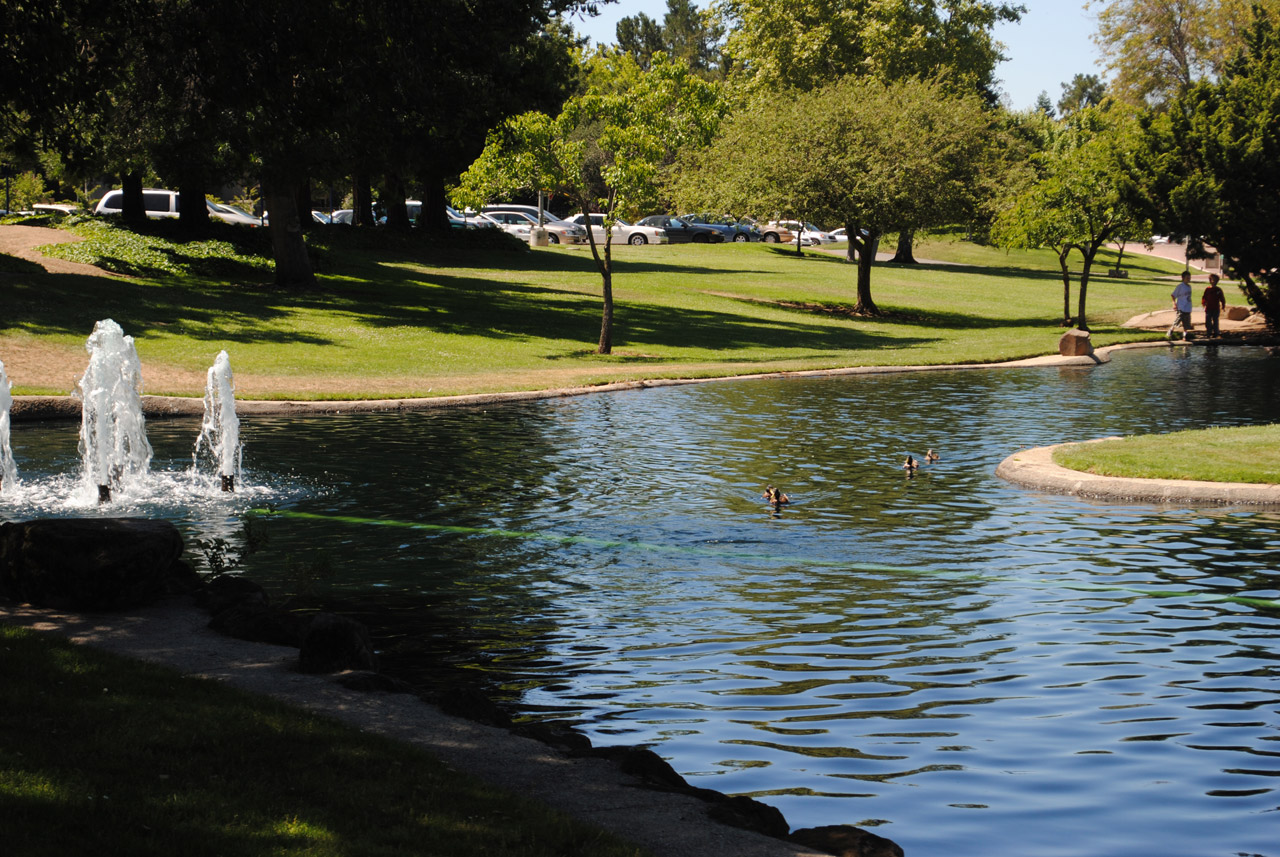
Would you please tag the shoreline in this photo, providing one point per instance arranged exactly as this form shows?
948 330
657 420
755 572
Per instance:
34 408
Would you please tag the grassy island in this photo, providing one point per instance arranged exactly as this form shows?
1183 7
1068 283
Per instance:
1243 454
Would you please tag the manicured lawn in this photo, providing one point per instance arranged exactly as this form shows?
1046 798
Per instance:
392 317
1248 454
101 755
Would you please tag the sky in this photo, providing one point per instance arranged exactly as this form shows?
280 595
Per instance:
1048 47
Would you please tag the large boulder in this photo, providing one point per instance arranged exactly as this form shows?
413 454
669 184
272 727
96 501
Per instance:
1236 313
87 564
335 643
846 841
1075 343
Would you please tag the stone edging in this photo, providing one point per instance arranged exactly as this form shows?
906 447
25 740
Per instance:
1035 468
29 408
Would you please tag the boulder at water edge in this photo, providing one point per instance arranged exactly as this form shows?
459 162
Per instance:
91 563
1075 343
846 841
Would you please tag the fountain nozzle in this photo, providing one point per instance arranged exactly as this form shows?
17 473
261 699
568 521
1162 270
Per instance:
229 483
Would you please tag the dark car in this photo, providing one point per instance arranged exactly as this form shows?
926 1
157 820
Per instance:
733 230
681 232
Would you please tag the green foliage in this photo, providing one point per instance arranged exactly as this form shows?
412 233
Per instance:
1212 167
25 190
802 44
162 248
1242 454
1084 90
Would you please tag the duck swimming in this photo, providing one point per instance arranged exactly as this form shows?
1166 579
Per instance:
931 456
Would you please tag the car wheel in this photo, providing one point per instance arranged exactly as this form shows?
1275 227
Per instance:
637 239
740 238
551 239
699 239
771 238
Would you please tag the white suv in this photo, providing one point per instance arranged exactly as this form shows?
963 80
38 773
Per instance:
158 203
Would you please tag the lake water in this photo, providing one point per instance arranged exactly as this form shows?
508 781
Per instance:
968 667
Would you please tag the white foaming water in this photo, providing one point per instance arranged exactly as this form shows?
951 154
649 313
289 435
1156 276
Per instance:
219 440
8 470
113 437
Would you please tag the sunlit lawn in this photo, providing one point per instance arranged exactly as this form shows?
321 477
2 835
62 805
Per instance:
395 319
1244 454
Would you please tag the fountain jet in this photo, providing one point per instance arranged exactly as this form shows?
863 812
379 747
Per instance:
113 440
219 436
8 470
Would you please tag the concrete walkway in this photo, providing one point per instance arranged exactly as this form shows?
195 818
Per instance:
1034 468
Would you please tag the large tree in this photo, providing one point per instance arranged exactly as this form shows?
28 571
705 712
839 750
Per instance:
872 156
1156 49
1084 200
604 151
1213 163
802 44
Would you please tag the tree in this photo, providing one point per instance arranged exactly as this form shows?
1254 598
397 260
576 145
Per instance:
804 44
872 156
1213 160
686 33
1084 90
1085 200
604 151
1156 49
640 37
1044 104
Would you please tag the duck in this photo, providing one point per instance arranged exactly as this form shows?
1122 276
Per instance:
931 456
910 464
774 496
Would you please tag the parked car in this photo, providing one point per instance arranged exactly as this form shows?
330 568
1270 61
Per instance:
771 233
231 214
157 202
558 231
733 230
810 235
680 232
624 232
480 220
55 208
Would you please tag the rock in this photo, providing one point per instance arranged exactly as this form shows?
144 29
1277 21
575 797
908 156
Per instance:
750 814
1236 313
87 564
252 618
226 590
334 643
1075 343
365 681
843 840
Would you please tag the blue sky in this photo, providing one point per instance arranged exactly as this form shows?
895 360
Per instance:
1047 48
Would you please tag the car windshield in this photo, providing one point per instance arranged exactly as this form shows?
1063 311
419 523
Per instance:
811 227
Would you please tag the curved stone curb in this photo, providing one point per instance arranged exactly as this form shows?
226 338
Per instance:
29 408
1035 468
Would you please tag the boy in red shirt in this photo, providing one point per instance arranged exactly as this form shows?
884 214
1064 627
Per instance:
1213 301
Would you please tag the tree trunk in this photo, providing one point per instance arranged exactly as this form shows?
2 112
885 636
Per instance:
132 211
1261 300
193 211
866 258
1081 323
303 202
1066 285
606 315
904 254
293 266
432 219
393 202
362 200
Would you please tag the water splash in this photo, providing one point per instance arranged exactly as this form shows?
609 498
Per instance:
219 439
8 470
113 438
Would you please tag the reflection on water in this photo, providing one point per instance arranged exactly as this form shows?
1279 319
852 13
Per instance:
946 656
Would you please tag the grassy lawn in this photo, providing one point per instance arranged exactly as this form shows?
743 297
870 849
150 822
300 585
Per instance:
392 317
1247 454
101 755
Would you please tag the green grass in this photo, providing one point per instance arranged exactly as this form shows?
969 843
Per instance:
1248 454
393 316
101 755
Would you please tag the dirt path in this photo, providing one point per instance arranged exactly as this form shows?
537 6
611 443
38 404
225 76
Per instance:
21 241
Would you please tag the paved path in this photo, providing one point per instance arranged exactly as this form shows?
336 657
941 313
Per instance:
21 241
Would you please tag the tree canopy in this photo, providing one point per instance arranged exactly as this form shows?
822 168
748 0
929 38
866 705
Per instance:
803 44
871 156
1213 164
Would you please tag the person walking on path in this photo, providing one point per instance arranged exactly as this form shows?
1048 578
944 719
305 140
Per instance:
1213 301
1182 305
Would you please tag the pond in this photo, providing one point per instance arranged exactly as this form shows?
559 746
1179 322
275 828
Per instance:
965 666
